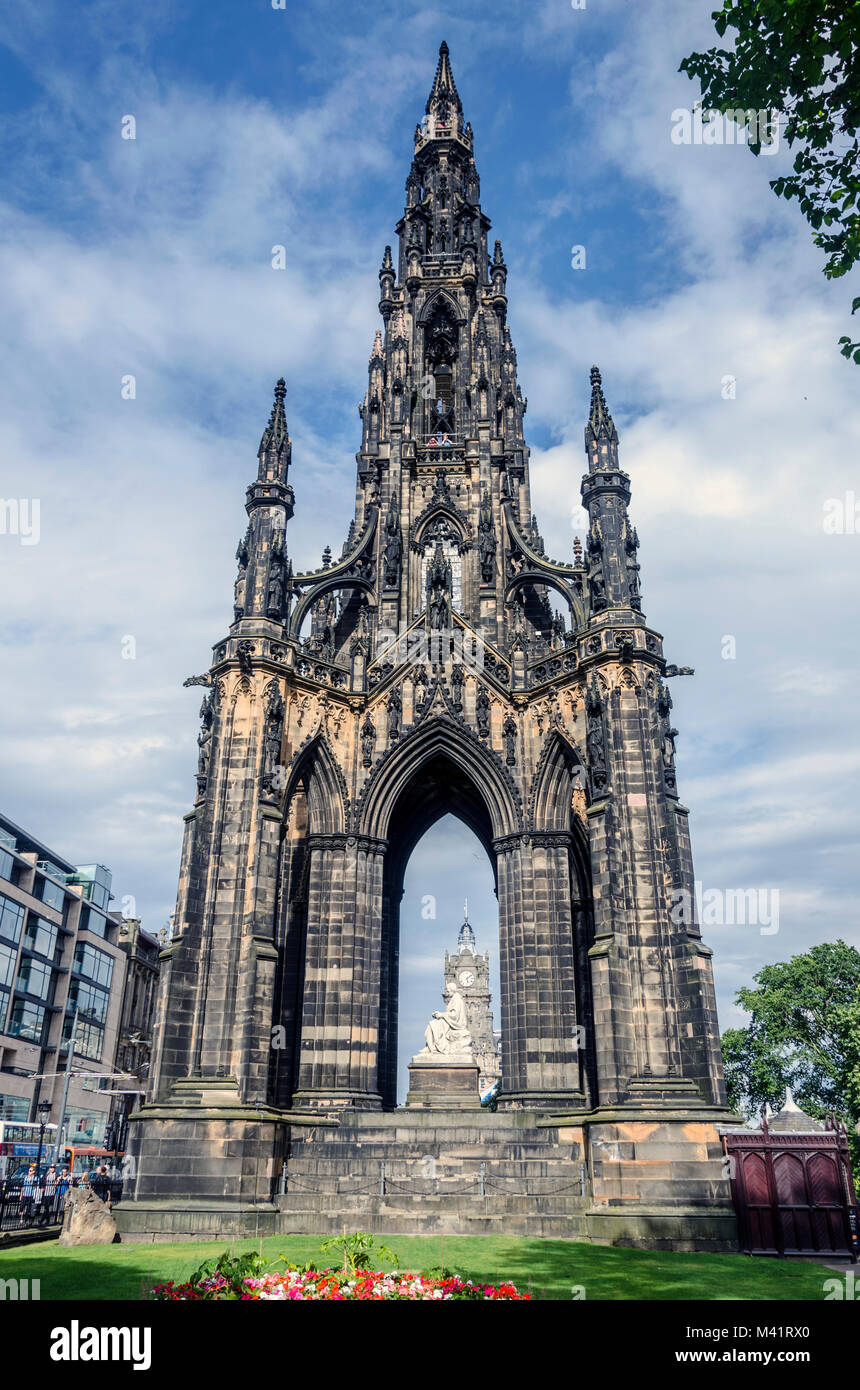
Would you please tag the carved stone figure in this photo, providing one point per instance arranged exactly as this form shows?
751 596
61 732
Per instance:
447 1034
240 584
204 742
439 581
595 741
509 729
667 738
486 539
275 588
393 546
395 706
368 741
482 712
419 677
273 738
458 676
597 584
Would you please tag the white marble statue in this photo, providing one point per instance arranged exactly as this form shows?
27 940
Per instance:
447 1034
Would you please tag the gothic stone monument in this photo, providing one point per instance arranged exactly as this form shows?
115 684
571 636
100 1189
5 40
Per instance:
423 671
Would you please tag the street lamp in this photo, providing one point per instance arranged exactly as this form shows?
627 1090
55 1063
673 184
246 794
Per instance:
44 1109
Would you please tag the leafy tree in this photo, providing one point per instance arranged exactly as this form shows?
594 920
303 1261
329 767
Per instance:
358 1250
799 60
804 1032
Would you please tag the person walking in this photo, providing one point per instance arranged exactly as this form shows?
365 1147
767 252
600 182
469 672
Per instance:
29 1195
100 1184
49 1197
64 1182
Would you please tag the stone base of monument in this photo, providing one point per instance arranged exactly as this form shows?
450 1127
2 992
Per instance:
203 1165
443 1083
642 1178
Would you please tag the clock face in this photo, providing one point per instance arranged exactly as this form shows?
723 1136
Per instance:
466 977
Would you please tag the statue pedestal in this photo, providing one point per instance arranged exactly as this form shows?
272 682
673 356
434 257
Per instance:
447 1083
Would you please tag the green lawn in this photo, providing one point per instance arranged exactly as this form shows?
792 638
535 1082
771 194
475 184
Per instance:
546 1268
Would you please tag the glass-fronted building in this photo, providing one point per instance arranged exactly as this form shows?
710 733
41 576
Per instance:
58 954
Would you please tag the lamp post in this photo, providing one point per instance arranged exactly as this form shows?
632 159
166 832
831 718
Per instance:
61 1118
44 1108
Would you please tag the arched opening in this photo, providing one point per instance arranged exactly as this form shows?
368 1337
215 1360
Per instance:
448 868
343 915
441 790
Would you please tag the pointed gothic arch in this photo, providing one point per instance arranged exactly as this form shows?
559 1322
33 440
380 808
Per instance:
438 300
449 738
316 769
328 586
554 782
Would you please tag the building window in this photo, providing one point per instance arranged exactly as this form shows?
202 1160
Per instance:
91 1001
51 893
11 919
89 1038
14 1108
94 964
41 936
8 957
7 865
86 1127
27 1020
36 977
94 921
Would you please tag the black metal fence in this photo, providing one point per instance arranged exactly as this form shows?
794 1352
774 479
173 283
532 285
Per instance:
23 1209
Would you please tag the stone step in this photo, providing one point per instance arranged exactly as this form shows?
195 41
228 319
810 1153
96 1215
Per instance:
381 1220
498 1203
501 1152
445 1162
339 1181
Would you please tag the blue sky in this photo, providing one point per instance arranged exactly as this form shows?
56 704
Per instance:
258 127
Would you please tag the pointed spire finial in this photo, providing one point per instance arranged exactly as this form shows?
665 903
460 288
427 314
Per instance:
466 936
600 422
444 90
275 434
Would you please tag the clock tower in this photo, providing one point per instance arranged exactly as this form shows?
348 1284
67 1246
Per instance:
468 971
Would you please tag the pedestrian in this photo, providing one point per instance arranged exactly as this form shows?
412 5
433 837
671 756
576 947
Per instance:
100 1184
29 1195
49 1196
64 1182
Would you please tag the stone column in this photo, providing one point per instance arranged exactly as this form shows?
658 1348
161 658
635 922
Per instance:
540 1055
342 1001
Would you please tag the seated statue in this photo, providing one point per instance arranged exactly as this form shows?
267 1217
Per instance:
448 1032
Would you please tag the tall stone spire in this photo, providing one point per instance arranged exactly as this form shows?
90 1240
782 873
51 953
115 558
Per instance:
613 569
601 427
261 583
275 438
420 673
444 99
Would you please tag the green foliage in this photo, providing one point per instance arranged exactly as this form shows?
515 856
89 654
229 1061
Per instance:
442 1272
233 1268
799 60
548 1268
804 1032
358 1250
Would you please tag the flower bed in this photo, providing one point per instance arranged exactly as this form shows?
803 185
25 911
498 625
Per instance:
335 1284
